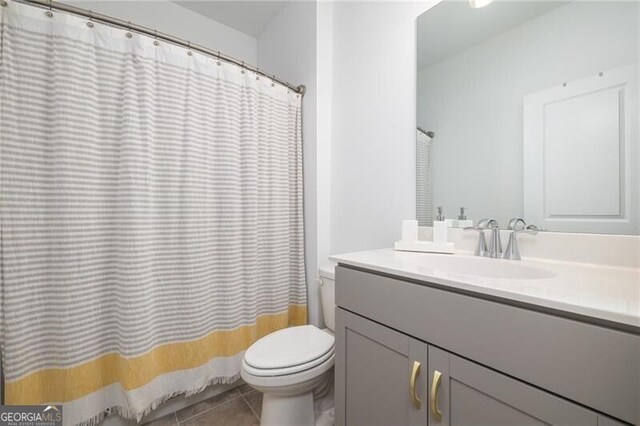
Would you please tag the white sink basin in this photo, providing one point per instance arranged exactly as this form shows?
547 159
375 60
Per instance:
482 267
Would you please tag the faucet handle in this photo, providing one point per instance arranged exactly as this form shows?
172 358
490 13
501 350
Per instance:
487 223
514 222
530 229
512 252
481 248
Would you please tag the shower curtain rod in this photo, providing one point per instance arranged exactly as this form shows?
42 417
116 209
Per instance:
54 5
426 132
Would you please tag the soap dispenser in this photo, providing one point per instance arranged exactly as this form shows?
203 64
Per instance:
440 229
463 222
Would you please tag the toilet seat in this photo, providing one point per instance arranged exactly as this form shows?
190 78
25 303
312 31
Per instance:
288 384
289 351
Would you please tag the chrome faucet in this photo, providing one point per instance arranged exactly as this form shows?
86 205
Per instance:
495 243
512 252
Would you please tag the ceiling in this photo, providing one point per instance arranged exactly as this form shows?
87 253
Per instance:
453 26
249 17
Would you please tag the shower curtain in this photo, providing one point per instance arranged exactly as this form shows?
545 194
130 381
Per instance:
424 182
150 212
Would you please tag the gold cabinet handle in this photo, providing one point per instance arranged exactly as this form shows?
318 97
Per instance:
435 391
415 372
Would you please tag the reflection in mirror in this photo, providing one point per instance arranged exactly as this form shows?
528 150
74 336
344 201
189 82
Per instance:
530 109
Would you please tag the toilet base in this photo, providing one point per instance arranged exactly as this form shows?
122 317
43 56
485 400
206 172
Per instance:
289 400
278 410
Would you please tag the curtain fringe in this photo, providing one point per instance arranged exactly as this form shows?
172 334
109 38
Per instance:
127 413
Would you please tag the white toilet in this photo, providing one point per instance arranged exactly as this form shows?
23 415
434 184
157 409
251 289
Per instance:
294 366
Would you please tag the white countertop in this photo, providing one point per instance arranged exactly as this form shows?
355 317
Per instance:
606 293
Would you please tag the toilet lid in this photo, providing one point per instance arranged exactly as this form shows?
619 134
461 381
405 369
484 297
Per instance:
289 347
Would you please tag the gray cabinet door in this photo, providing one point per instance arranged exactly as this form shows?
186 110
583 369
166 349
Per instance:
470 394
374 370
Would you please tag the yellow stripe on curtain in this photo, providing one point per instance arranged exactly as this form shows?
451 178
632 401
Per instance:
67 384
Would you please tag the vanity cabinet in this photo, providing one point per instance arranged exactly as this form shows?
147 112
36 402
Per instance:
388 378
497 364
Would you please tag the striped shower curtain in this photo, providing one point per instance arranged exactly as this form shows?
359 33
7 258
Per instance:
150 212
424 180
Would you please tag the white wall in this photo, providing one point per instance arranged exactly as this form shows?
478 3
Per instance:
358 61
324 81
178 21
473 100
374 118
287 48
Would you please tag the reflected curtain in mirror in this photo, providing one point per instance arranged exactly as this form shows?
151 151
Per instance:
423 178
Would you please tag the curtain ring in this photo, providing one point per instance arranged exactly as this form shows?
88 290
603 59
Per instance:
90 23
189 48
257 73
273 80
155 36
49 12
243 67
219 63
128 34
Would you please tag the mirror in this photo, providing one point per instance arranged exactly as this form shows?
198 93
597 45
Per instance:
530 109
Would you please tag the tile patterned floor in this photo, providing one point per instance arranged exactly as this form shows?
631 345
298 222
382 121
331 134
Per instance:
237 407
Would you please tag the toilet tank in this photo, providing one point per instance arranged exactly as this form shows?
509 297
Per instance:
328 295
